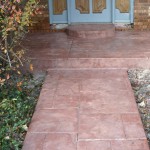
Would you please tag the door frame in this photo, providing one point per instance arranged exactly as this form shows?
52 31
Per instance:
68 11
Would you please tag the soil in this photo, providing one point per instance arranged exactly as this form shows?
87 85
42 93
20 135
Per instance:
140 81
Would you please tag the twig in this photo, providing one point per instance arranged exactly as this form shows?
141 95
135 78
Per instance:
6 46
3 58
17 58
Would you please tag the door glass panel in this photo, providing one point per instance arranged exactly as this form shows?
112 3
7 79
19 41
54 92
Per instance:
123 5
59 6
99 6
83 6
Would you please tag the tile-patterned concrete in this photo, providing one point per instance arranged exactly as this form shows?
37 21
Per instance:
54 120
90 109
87 102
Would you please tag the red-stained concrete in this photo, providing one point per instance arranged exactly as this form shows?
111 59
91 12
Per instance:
91 31
91 109
87 102
128 49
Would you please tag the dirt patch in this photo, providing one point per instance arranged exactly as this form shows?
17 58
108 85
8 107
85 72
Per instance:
140 81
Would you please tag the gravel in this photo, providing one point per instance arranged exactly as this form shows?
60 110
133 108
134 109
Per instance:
140 81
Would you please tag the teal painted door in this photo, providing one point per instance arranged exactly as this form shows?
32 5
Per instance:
91 11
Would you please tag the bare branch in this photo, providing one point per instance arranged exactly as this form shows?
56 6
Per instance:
3 58
6 47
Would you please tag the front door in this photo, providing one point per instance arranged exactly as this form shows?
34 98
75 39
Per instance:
91 11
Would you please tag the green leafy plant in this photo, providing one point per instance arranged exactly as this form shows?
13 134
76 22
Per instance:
17 105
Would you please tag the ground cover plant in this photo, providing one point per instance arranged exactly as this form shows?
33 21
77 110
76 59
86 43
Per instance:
17 104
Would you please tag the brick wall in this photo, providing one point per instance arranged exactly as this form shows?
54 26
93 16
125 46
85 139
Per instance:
142 15
41 21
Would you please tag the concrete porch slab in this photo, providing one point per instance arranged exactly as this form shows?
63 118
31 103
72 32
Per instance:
128 49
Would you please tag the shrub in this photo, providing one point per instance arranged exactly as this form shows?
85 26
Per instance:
17 100
14 19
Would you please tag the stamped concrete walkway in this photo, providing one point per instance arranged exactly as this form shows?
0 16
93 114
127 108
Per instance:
82 105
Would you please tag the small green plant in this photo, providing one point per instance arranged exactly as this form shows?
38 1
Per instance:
17 105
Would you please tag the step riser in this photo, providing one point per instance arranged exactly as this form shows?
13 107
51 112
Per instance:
91 63
91 35
91 31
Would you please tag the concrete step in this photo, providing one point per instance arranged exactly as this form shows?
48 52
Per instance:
91 31
82 63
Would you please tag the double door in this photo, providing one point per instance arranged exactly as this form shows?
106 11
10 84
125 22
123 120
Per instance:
91 11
